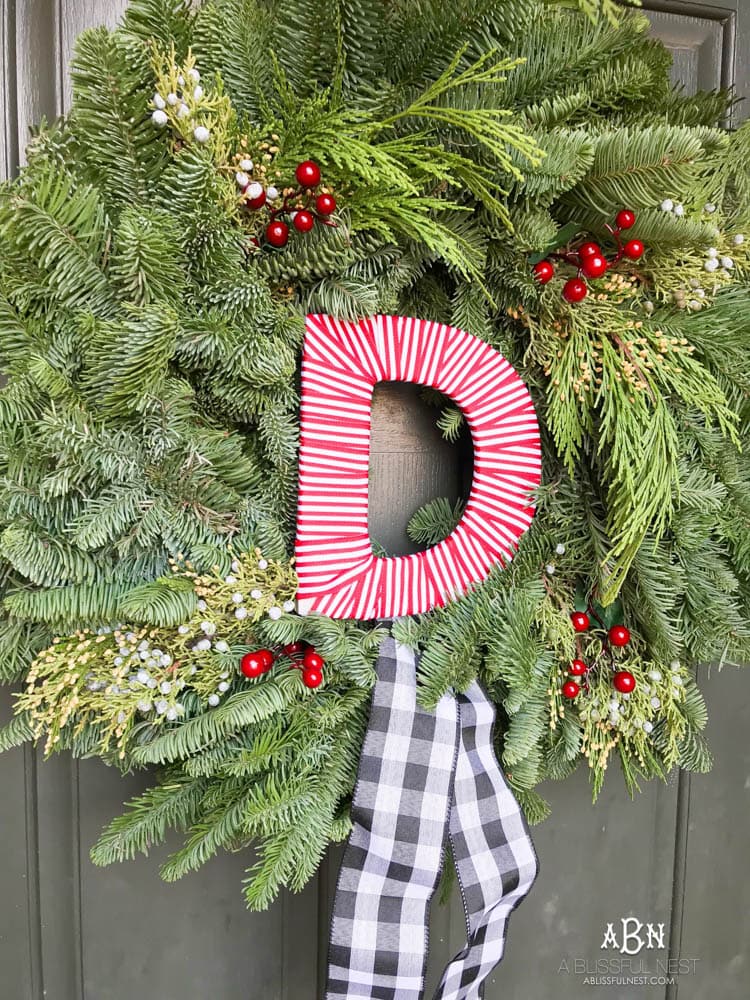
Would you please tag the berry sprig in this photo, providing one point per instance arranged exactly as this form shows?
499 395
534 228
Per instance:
618 636
303 205
304 657
590 260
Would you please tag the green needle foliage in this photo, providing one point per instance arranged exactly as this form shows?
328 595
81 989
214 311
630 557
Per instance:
149 346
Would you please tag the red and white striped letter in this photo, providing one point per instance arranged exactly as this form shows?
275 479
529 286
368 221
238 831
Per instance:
339 575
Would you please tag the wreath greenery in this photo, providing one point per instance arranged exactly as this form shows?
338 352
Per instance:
150 334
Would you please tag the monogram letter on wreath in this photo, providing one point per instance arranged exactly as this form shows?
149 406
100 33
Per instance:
425 777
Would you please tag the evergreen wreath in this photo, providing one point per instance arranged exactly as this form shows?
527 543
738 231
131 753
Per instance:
222 172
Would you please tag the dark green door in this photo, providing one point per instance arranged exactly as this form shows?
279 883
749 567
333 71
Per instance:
69 931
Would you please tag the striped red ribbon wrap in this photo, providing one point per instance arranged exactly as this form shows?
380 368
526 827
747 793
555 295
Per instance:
339 575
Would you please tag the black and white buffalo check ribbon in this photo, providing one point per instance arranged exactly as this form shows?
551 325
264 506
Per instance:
424 776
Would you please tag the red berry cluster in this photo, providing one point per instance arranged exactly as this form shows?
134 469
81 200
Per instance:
302 206
589 259
303 656
617 635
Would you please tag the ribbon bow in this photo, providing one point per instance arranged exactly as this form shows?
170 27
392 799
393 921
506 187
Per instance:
424 776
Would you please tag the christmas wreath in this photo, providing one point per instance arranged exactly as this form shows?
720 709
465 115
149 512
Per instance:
523 171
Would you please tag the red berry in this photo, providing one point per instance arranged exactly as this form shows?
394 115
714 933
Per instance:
575 290
258 202
294 647
577 668
581 621
625 219
253 664
325 204
312 677
308 174
594 265
619 635
277 234
267 657
588 250
303 221
543 272
633 249
312 660
624 681
570 689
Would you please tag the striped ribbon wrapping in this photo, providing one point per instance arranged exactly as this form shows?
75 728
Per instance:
339 575
425 778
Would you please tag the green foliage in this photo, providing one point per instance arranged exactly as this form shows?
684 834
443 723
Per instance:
149 352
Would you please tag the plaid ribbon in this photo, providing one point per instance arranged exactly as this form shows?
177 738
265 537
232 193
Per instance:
424 776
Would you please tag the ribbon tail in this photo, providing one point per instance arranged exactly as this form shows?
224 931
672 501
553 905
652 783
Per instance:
392 862
492 849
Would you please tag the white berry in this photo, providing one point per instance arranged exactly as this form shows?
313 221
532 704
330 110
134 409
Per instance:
655 703
256 594
246 164
183 111
165 687
144 705
161 706
237 598
151 682
203 645
708 207
142 676
171 714
201 605
240 613
166 660
274 613
560 549
159 117
655 675
288 606
172 99
208 628
197 93
194 75
614 705
158 101
674 665
549 569
201 133
679 210
648 727
254 190
223 687
712 252
272 193
738 240
667 205
727 263
711 264
183 629
213 700
221 646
